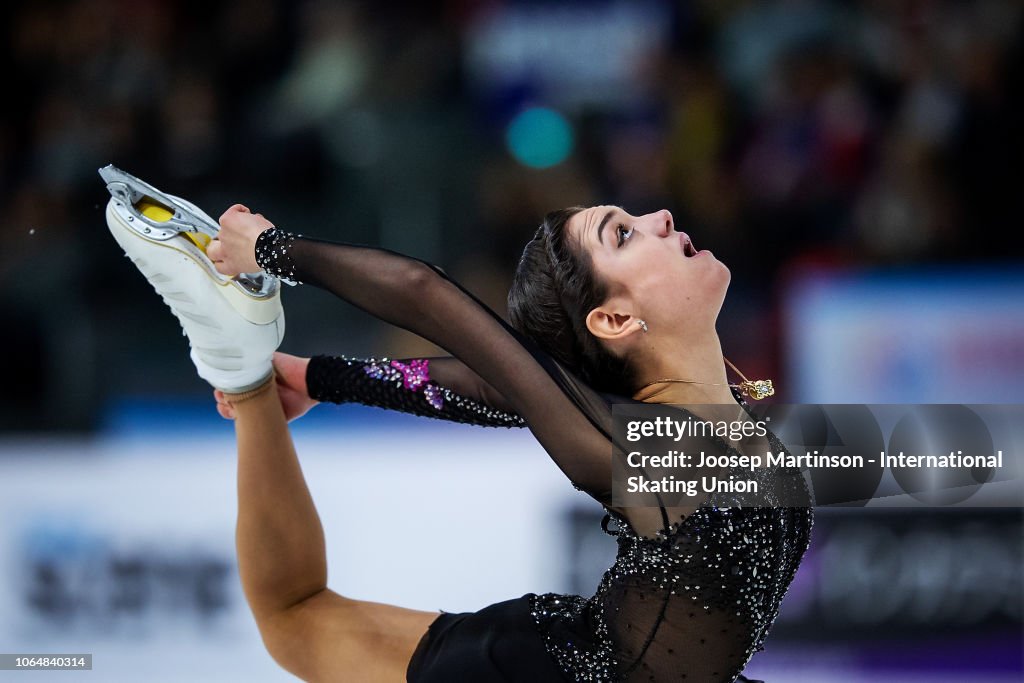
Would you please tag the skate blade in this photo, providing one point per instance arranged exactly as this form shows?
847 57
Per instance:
160 217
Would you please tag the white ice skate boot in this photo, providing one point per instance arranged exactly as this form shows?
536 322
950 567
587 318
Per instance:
233 324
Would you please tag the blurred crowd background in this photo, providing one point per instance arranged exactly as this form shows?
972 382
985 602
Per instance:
858 164
778 133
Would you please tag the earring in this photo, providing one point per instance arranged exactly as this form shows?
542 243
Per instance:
643 326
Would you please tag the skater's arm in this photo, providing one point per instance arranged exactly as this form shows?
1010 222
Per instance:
571 421
302 383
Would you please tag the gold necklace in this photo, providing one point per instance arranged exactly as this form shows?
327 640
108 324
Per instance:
755 389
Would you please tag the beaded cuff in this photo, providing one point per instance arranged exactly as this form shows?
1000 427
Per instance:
272 254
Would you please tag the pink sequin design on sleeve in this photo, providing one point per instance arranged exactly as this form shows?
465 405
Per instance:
413 375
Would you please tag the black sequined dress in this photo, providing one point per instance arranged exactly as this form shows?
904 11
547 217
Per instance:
691 595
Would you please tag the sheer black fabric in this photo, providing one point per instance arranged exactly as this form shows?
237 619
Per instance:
693 590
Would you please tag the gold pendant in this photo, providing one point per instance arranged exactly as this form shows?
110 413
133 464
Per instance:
757 389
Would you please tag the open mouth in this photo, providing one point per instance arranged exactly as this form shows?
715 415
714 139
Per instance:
688 248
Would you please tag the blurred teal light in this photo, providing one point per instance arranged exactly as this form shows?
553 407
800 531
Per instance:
539 137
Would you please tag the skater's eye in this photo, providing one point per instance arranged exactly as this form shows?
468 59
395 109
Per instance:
623 233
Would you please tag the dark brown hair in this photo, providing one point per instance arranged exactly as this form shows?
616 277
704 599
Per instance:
553 290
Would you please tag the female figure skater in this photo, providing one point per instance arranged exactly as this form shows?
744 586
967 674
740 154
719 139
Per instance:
605 306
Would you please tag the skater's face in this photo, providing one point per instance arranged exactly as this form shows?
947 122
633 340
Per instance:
652 272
